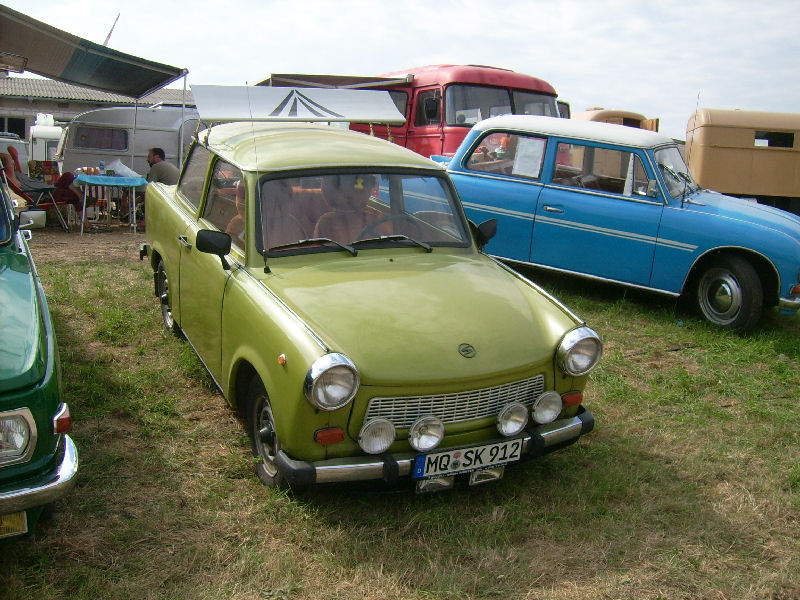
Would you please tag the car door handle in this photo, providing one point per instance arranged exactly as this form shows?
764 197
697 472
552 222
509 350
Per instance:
184 242
548 208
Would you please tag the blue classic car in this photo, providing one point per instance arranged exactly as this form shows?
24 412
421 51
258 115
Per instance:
38 460
618 204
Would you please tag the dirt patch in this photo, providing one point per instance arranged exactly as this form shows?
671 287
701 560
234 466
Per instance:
53 243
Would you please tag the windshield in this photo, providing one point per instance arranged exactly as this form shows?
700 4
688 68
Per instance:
674 171
334 210
468 104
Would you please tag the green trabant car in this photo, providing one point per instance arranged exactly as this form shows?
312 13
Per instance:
333 288
38 460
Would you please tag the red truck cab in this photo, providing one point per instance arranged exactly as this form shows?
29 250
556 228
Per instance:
442 102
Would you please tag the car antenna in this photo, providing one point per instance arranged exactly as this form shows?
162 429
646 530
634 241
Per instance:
255 153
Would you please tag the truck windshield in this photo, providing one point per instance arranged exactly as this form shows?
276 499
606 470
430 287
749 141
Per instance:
334 210
467 104
674 171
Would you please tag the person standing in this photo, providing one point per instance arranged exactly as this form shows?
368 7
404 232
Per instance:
160 170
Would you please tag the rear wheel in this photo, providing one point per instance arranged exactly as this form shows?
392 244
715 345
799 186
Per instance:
729 294
263 437
162 291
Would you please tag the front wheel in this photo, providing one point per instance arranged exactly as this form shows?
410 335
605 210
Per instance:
263 437
162 292
729 294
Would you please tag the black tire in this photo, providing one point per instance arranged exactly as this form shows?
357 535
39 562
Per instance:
162 292
730 295
263 437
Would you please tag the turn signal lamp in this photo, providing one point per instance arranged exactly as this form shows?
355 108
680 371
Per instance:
62 422
572 398
329 435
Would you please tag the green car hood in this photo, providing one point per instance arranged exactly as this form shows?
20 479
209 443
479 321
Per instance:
402 317
21 334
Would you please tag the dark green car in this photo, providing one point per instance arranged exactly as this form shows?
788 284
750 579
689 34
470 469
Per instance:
38 461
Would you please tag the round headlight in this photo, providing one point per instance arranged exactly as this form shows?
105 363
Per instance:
376 436
426 433
331 382
547 407
15 434
579 351
512 419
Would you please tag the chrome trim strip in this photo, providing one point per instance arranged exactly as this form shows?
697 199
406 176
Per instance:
500 211
590 192
587 276
61 480
359 468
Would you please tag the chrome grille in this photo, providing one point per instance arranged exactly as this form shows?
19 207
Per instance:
456 407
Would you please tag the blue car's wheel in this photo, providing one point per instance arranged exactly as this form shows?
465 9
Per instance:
729 293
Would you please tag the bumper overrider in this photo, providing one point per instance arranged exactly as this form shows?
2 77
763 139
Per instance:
536 441
22 496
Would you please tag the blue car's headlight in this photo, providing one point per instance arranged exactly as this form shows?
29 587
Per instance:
331 382
579 351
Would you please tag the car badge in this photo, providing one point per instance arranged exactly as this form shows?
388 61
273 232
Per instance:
466 350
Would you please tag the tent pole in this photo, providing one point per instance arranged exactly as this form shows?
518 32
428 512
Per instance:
133 141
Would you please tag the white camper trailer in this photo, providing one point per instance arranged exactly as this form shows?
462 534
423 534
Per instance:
123 133
44 138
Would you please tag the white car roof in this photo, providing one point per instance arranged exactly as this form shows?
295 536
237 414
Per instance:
585 130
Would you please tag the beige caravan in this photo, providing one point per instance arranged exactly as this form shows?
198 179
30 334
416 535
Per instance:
745 153
617 117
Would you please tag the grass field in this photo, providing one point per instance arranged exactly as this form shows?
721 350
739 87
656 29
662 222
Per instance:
689 486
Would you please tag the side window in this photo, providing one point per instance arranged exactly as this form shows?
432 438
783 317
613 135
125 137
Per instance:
602 169
224 206
101 138
194 175
509 154
428 108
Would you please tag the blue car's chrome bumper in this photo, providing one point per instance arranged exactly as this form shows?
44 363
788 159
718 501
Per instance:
50 489
789 305
538 440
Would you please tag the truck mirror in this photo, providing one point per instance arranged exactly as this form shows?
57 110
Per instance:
214 242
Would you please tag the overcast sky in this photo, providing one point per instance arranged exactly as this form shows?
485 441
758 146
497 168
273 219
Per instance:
660 59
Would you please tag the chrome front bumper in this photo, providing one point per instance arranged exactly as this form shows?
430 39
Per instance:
538 441
15 499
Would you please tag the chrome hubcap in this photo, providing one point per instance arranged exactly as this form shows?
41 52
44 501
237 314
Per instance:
265 439
720 296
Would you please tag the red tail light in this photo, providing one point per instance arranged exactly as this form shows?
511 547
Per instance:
572 398
62 422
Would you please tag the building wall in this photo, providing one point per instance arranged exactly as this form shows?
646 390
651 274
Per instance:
15 110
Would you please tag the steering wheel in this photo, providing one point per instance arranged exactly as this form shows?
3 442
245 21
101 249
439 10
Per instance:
372 231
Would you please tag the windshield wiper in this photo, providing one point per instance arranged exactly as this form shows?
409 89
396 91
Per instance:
315 242
395 238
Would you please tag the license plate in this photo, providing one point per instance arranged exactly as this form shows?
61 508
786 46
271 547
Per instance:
466 460
13 524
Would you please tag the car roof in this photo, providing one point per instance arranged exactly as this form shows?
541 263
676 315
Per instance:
584 130
259 146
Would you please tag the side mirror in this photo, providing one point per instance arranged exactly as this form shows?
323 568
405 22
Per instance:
652 188
214 242
32 219
483 232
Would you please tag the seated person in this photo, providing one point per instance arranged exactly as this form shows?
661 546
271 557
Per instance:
279 226
235 227
347 195
66 191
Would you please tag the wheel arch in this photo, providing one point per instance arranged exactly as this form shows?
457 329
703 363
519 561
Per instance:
766 271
